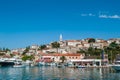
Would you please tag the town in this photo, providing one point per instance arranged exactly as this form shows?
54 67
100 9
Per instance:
85 52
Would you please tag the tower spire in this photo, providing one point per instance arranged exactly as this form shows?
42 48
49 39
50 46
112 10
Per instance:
60 37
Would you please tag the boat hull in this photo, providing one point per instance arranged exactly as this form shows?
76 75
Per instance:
80 66
3 64
116 67
18 66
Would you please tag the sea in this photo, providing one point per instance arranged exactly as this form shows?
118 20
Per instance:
55 73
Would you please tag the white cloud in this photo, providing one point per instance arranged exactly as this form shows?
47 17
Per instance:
109 16
90 14
83 14
103 16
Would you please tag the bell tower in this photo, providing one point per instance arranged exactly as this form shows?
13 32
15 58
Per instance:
61 37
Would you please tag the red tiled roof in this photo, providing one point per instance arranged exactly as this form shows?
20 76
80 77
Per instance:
59 54
73 40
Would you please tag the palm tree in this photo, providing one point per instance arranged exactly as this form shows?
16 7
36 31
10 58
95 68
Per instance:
55 45
114 50
63 58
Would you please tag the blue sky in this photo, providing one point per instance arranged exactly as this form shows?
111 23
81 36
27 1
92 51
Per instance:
27 22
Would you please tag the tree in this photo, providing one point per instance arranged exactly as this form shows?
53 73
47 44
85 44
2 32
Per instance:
114 49
91 41
55 45
26 50
63 58
113 45
42 47
25 57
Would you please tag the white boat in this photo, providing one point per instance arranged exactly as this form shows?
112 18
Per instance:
80 66
60 65
18 64
41 63
116 65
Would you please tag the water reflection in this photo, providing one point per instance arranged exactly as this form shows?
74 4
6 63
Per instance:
54 73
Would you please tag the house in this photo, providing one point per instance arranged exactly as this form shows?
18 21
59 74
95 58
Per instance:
73 43
34 47
56 57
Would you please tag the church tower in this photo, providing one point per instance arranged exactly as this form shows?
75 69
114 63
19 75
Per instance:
61 37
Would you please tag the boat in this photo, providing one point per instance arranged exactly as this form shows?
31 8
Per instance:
60 65
41 63
4 62
116 65
80 66
18 64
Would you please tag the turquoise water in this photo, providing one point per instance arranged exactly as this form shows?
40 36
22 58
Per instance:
54 73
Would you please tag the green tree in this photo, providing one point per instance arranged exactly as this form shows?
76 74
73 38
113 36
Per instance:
91 41
63 58
113 45
55 45
42 47
112 50
26 50
25 57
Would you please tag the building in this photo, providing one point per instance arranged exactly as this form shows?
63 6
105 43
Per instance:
73 43
56 57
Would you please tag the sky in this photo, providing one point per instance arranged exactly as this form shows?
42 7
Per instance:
28 22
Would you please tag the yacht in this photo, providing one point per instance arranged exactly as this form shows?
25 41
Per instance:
7 61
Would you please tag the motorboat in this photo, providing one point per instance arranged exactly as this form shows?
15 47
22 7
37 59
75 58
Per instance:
116 65
81 66
18 64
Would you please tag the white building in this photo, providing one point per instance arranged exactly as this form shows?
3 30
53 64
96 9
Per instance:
73 43
34 47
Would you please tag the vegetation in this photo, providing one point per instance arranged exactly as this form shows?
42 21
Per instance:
42 47
25 57
55 45
63 58
26 50
112 51
4 49
91 41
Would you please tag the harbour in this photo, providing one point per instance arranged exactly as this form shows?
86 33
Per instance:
55 73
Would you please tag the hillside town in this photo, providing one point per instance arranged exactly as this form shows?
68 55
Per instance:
85 51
